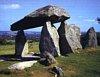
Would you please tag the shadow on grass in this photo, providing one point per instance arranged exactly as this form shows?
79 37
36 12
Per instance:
6 72
12 57
93 72
43 62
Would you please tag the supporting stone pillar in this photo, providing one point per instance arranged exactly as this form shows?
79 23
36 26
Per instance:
49 41
68 39
21 45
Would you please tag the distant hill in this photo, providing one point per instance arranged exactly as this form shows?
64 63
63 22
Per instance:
29 34
12 34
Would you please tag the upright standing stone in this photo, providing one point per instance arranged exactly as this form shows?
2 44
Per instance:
49 41
21 45
68 39
77 30
90 40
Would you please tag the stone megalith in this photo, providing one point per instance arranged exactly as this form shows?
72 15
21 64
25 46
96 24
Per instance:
49 41
38 17
90 39
77 30
21 44
68 39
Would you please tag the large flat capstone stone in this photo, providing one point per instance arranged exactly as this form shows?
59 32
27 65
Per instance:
40 16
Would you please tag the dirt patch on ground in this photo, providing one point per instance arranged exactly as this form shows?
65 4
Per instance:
41 74
90 49
35 73
70 70
18 73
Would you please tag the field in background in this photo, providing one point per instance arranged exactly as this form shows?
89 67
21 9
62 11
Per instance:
83 64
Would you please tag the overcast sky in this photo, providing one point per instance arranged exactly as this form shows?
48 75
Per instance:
83 12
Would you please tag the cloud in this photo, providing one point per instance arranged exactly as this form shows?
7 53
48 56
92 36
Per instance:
89 20
86 19
80 16
10 6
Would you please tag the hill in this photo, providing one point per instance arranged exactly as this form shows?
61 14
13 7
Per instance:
12 34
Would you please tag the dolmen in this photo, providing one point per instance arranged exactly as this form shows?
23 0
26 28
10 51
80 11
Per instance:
55 42
52 43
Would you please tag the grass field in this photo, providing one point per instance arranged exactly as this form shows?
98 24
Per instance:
83 64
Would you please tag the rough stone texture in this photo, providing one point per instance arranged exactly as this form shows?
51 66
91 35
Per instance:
77 30
58 71
49 41
39 17
68 39
50 59
21 44
90 39
22 65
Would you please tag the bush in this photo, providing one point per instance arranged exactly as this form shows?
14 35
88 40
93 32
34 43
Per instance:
2 41
98 38
34 40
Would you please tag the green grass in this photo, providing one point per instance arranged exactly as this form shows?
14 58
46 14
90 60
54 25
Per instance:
34 47
7 49
83 64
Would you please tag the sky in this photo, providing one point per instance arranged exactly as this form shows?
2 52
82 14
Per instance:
83 13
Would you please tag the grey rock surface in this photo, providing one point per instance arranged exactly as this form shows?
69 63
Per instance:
58 71
21 65
90 39
68 39
49 41
77 30
40 16
21 44
50 59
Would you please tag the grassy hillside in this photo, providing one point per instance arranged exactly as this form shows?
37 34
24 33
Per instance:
83 64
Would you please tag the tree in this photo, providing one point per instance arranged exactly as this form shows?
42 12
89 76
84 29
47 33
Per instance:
2 41
98 20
